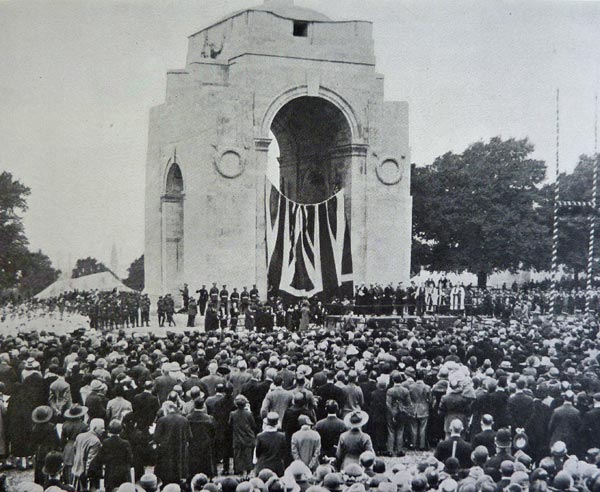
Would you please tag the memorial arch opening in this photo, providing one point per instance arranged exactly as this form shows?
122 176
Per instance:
314 139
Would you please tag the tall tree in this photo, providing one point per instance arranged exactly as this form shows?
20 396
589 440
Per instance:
13 243
88 266
135 278
476 211
37 274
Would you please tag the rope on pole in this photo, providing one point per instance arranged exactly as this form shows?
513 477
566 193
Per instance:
591 245
554 266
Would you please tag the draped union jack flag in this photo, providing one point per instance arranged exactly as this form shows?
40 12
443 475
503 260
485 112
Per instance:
308 245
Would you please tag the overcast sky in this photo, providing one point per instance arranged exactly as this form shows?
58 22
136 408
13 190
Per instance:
78 77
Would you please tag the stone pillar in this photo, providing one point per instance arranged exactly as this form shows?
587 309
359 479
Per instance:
357 194
261 146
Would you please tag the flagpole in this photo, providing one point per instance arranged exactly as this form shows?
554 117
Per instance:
554 266
594 203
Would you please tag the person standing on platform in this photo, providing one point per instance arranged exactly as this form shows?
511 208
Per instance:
202 299
185 294
192 311
224 297
254 295
170 310
244 299
234 298
145 310
160 309
214 294
234 314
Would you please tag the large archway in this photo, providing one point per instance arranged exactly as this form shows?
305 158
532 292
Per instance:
313 137
310 161
172 216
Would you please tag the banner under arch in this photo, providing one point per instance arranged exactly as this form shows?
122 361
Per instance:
308 245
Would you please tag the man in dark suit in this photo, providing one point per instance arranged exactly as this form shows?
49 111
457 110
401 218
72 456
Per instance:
164 384
116 457
326 392
145 407
455 446
590 426
202 444
565 423
519 405
255 391
330 429
487 435
271 446
495 403
503 443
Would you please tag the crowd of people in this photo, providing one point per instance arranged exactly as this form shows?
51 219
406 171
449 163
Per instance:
507 405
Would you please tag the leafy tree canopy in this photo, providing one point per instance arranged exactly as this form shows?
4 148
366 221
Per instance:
135 279
476 211
13 243
88 266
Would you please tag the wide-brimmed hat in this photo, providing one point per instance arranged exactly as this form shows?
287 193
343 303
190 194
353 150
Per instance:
42 414
75 412
355 419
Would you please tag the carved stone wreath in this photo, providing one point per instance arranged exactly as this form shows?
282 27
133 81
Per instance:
389 172
229 163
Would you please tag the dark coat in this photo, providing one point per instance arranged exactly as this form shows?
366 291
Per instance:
172 436
224 438
328 391
19 426
330 429
145 407
519 408
564 426
163 385
485 438
462 453
45 439
590 429
270 451
255 391
116 456
202 444
536 429
496 404
96 404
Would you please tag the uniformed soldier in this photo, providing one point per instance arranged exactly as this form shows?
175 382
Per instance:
254 295
145 309
202 299
234 298
245 299
234 315
170 310
214 294
224 297
160 309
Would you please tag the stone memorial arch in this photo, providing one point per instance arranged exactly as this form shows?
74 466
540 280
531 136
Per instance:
275 70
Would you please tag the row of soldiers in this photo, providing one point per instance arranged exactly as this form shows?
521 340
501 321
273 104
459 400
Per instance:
110 310
221 298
